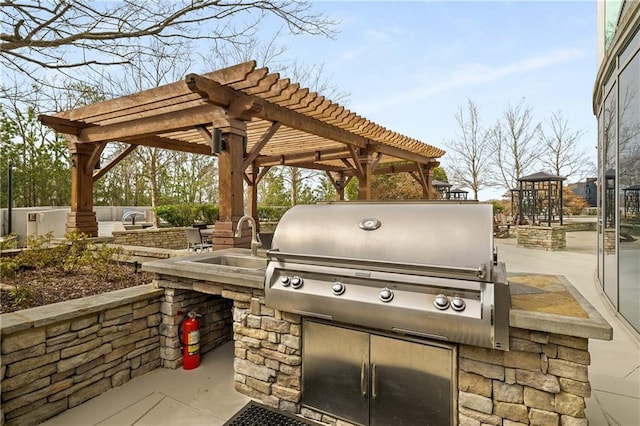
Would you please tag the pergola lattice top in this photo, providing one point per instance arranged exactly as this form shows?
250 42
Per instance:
286 124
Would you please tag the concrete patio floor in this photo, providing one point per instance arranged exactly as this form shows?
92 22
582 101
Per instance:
205 396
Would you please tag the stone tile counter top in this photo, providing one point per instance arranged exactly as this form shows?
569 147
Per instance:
550 303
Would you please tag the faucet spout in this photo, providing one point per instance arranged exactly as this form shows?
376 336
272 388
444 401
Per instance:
255 238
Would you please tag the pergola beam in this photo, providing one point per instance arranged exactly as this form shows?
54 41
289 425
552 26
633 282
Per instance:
121 155
220 95
255 151
326 155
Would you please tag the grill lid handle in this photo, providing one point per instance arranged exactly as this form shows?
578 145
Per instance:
482 271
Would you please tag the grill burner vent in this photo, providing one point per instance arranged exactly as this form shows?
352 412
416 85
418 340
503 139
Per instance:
424 269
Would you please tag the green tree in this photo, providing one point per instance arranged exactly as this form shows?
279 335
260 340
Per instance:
39 159
272 190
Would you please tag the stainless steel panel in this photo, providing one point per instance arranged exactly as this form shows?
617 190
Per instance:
410 312
335 371
447 234
411 383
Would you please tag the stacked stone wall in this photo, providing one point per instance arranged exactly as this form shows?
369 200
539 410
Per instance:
268 356
542 237
215 322
580 226
542 380
610 241
49 368
167 238
267 342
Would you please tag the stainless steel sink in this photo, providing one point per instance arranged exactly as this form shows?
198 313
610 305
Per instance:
235 261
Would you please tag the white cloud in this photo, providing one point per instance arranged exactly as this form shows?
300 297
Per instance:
473 73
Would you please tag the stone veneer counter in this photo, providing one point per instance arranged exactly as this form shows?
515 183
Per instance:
542 379
550 303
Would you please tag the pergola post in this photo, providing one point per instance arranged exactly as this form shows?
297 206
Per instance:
230 169
428 191
364 180
82 218
341 183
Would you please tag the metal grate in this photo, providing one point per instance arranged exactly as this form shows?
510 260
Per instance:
255 414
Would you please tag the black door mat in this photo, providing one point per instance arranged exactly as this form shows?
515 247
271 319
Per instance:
256 414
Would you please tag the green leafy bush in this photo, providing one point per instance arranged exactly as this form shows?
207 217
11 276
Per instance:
271 213
22 296
66 257
187 214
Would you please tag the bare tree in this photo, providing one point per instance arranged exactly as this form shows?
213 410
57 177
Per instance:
513 142
471 159
167 64
562 155
71 34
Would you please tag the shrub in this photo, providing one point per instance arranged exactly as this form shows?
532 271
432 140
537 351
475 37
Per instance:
22 296
271 213
187 214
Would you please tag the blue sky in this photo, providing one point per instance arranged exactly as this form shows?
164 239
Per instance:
409 65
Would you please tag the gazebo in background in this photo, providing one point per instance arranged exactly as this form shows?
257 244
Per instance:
632 201
539 199
539 202
442 188
457 194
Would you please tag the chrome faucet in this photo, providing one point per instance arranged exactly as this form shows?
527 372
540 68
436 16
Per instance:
255 238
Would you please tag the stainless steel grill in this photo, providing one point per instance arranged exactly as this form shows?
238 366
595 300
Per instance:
423 269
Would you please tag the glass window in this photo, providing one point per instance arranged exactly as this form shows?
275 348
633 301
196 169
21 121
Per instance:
610 261
629 192
630 49
611 13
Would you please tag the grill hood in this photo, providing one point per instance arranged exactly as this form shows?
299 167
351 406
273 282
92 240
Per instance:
444 235
418 268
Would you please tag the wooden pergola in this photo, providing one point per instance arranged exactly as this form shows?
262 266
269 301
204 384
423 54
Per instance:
252 120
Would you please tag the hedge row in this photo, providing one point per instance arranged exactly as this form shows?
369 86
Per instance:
188 214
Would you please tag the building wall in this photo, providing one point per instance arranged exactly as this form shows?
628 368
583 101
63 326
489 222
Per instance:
616 104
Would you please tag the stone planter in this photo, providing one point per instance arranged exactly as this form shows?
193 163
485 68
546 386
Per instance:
552 238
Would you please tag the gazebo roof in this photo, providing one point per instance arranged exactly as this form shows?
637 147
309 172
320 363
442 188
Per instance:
440 184
459 190
286 124
540 177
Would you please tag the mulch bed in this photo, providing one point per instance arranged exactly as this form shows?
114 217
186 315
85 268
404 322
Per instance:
51 285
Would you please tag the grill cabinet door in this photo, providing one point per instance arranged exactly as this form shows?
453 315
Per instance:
335 371
411 383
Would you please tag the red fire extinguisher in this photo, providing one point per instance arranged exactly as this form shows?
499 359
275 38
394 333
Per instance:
189 332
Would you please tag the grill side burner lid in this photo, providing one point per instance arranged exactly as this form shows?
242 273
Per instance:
445 235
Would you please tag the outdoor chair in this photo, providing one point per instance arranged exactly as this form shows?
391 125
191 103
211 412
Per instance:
501 226
194 240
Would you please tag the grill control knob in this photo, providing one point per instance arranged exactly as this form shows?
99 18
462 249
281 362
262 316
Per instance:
337 288
441 302
386 295
285 281
296 282
457 304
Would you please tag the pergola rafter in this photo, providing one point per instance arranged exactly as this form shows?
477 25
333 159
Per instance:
265 121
